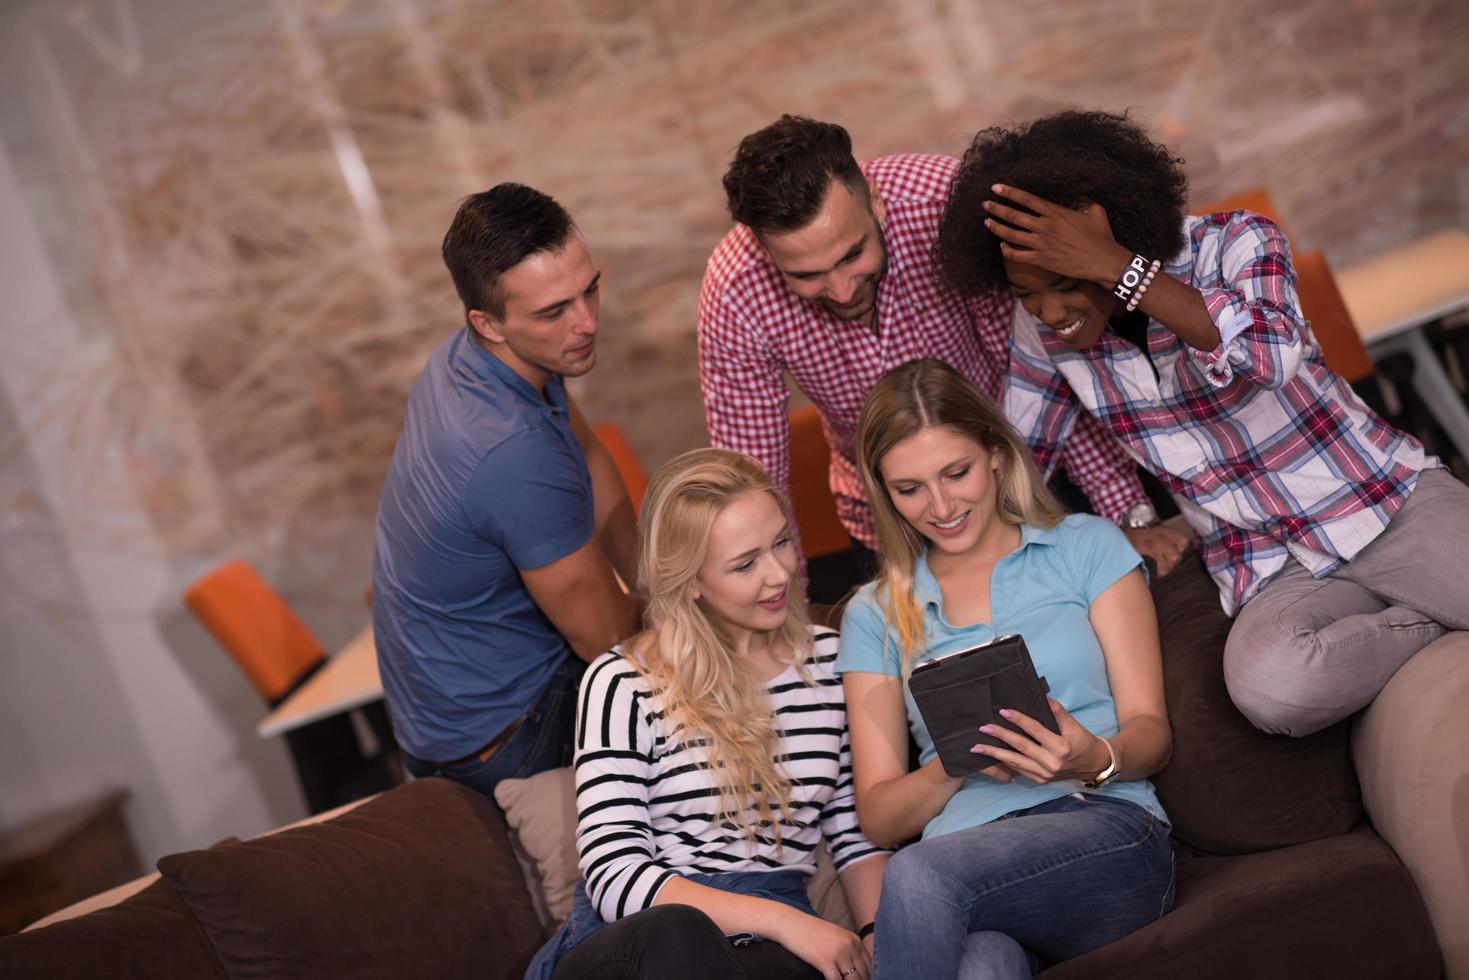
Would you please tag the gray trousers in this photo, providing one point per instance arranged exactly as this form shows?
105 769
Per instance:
1304 652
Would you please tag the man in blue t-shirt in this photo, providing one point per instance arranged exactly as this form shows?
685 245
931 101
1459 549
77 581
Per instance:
503 518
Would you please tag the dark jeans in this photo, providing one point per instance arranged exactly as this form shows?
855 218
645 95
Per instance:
544 740
674 940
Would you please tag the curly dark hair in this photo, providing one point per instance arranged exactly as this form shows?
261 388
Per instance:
1070 158
779 176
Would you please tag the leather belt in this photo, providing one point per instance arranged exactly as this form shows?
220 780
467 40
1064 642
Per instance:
489 748
483 754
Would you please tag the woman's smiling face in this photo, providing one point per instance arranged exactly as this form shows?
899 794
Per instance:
1074 309
943 483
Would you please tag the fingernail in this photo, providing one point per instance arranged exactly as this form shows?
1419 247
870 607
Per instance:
997 187
1006 712
987 729
980 748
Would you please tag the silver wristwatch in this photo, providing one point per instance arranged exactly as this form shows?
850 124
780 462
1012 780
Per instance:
1139 515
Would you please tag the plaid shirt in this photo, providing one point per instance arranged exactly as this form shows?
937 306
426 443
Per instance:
752 328
1269 453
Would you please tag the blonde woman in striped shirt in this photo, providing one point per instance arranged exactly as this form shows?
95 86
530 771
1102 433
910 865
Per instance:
712 757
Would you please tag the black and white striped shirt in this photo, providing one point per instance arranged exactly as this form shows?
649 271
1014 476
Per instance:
646 803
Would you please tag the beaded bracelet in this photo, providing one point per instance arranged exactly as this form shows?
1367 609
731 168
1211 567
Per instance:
1142 287
1131 276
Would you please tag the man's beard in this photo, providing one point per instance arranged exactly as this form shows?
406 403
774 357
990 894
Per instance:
868 310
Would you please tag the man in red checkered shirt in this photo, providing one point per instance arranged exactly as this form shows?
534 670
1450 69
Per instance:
827 275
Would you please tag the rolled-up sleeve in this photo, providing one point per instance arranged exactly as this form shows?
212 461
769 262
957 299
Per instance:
1249 289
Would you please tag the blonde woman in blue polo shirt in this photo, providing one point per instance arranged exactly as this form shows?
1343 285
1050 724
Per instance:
1063 846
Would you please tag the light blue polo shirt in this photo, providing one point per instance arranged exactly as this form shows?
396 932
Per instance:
1042 590
488 478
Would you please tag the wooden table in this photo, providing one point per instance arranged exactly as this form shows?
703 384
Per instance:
348 680
1394 296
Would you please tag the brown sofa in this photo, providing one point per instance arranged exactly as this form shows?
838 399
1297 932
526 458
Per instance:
1280 874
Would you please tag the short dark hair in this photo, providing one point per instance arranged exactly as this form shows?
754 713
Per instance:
779 176
494 231
1070 158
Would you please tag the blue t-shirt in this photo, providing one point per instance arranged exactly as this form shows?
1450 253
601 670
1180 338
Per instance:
488 478
1042 590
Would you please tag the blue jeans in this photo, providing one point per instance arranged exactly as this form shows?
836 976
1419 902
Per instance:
1043 884
787 887
544 740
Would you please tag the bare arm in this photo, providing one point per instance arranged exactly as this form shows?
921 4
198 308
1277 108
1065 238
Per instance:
617 529
581 597
862 883
893 804
1127 625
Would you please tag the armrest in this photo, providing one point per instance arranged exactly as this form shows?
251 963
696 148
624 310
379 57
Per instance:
1409 747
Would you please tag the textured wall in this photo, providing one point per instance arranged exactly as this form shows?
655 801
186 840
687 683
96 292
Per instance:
245 200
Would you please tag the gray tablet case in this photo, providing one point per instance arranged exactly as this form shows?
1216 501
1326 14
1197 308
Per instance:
960 691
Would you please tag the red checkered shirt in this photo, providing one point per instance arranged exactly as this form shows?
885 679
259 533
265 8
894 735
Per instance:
753 327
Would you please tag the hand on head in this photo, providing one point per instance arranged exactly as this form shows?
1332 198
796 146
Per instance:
1077 244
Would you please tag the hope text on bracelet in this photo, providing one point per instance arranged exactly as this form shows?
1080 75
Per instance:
1131 276
1142 287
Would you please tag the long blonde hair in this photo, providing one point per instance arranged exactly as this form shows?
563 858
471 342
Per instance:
912 397
707 694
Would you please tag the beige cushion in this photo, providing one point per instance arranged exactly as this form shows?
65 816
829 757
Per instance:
824 889
1410 754
541 813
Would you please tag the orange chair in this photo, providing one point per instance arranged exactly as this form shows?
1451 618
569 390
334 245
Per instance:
815 509
633 474
256 628
1331 323
278 653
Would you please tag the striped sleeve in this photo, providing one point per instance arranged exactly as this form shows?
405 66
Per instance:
844 839
614 764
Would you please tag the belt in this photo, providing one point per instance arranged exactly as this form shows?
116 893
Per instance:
489 748
483 754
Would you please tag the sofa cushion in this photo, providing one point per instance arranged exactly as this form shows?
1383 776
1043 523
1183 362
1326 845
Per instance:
150 934
417 882
1409 747
1230 788
541 812
1341 907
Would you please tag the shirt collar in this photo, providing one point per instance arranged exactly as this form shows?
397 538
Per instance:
926 591
486 365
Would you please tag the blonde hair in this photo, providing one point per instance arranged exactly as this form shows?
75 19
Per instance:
690 660
915 396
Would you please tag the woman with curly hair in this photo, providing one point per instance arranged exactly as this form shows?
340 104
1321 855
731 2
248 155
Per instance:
1337 543
1061 845
712 757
